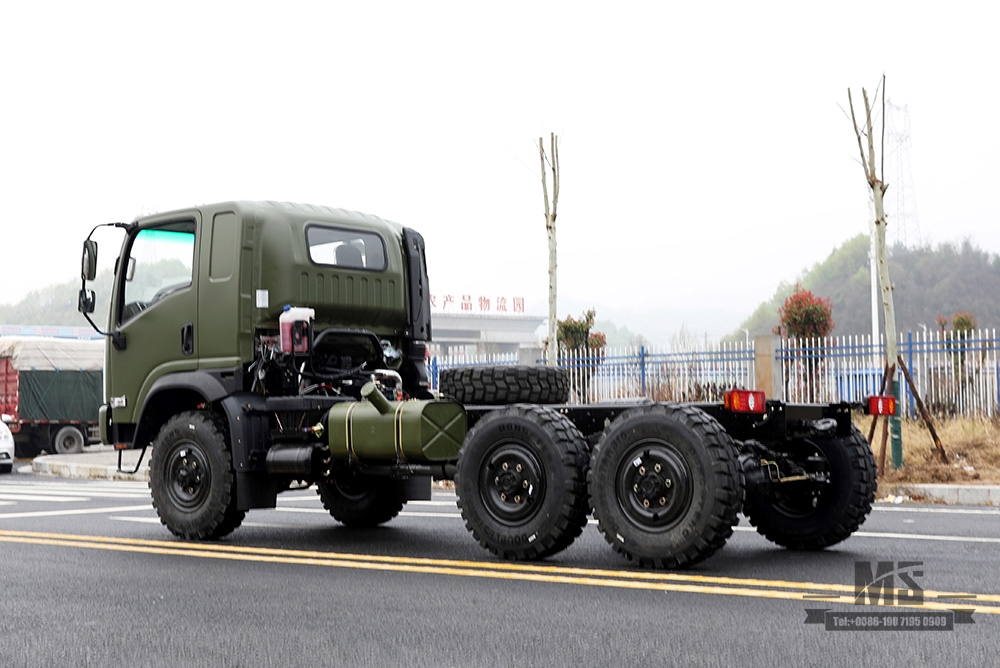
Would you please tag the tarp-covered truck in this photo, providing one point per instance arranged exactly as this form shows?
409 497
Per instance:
50 392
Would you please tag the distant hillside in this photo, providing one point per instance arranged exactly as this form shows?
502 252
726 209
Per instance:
56 305
928 281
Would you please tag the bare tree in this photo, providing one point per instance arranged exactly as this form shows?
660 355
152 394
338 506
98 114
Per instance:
550 228
888 310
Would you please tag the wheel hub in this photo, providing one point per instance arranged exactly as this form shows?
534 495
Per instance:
511 482
654 486
188 477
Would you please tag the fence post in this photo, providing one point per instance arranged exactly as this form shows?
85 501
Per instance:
913 372
767 368
642 369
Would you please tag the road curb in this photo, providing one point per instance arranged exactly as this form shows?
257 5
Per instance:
96 466
962 495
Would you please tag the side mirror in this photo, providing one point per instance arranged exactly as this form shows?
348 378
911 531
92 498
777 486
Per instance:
86 301
88 264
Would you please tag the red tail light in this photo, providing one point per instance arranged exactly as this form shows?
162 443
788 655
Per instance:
882 405
745 401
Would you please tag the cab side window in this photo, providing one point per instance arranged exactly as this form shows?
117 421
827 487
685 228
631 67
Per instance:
160 263
349 249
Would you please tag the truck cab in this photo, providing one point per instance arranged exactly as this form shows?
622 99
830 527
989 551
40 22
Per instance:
198 294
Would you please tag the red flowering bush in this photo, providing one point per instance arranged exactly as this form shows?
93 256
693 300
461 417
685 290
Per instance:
803 315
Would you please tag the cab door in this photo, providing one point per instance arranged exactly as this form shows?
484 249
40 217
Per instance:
154 313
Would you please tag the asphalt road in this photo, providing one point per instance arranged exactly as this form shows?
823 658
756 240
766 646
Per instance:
90 578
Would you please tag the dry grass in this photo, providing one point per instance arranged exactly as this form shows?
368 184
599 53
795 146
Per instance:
972 446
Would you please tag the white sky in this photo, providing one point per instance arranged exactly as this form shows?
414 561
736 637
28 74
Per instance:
705 150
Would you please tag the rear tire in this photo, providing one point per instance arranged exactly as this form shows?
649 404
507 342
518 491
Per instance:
521 482
191 478
665 485
505 385
69 441
804 516
359 502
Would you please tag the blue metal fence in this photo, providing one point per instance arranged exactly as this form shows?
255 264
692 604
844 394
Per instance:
955 374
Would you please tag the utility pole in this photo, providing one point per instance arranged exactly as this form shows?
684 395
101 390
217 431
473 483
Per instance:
552 356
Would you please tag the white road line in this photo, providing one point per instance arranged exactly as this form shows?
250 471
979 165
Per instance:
59 496
47 499
937 511
77 511
912 536
908 536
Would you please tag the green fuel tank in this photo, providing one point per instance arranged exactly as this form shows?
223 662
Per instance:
417 431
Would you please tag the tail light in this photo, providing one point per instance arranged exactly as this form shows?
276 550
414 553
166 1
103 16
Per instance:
745 401
882 405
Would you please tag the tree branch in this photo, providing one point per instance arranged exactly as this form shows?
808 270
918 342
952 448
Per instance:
857 133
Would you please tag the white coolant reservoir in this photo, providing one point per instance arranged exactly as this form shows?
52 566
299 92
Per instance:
294 326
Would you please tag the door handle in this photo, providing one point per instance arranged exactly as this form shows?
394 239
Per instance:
187 339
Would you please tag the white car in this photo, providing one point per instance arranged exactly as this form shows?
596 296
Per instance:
6 449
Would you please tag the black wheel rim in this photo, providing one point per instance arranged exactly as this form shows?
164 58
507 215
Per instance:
653 485
189 476
512 483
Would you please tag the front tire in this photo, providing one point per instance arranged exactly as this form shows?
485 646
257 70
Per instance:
811 516
665 486
521 482
191 478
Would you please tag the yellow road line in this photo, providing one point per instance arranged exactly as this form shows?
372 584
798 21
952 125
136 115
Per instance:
666 582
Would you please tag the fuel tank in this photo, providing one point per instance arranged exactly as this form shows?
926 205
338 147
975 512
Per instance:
377 429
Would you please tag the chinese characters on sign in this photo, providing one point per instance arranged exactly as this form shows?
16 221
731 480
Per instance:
481 304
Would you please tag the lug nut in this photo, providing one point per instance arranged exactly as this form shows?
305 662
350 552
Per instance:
518 468
645 503
504 466
663 500
667 482
657 468
525 484
635 488
503 497
517 499
642 470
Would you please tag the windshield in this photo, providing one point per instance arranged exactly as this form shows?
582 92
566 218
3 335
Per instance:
159 263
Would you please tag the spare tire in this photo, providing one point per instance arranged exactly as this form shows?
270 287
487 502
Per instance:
503 385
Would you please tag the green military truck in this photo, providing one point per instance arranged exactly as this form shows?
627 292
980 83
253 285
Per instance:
258 345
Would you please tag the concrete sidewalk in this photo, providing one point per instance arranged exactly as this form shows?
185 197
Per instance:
101 463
